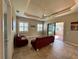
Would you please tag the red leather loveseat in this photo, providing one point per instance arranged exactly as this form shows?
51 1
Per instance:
41 42
20 40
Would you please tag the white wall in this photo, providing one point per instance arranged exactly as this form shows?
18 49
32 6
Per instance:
10 32
69 36
32 31
1 30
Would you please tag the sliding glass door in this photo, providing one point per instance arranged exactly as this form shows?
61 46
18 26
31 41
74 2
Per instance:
56 29
51 29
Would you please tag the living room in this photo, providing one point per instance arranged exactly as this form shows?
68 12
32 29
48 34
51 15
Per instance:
26 34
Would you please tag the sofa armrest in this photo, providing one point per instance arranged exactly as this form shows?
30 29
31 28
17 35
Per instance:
33 41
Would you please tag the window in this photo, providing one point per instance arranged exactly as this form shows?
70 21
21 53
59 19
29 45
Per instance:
39 27
23 26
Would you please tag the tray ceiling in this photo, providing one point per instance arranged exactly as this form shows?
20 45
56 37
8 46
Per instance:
40 7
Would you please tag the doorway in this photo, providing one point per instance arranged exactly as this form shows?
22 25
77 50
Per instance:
56 29
59 31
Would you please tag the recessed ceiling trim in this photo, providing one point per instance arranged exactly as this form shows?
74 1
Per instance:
58 12
29 15
61 11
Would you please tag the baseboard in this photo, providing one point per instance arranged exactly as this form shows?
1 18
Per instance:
71 43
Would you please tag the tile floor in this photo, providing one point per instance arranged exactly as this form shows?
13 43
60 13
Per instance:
56 50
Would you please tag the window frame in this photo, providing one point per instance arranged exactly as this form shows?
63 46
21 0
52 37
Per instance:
39 26
24 26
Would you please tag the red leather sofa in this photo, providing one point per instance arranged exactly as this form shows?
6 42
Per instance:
20 40
41 42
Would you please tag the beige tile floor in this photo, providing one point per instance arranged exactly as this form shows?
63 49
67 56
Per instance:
56 50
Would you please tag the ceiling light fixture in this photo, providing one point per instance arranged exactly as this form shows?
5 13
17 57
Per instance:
44 15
